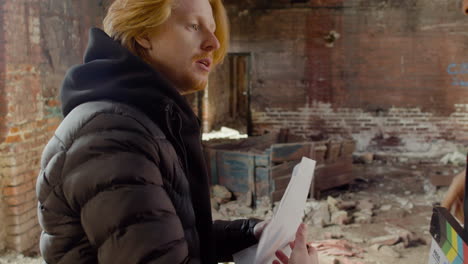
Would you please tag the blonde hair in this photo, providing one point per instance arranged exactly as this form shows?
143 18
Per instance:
128 19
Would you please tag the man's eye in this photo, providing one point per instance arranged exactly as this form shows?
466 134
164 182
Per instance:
195 27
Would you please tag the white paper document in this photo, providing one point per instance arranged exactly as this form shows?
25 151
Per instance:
283 226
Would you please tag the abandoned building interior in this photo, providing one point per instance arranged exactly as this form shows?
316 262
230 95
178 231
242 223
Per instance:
372 90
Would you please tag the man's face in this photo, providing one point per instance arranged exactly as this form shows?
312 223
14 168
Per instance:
182 48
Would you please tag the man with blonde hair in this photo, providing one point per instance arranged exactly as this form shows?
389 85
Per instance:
123 180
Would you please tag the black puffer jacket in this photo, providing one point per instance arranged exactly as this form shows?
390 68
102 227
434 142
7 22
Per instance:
123 180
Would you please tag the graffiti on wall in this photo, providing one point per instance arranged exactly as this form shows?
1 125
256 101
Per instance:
457 71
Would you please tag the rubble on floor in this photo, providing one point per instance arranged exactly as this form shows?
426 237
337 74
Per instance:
455 158
383 217
18 258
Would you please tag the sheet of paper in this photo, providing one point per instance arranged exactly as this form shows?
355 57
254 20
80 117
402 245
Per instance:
284 224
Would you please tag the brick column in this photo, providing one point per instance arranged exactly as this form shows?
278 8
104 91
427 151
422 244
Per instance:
26 125
39 41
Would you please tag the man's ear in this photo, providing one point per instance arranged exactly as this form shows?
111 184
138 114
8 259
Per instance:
144 41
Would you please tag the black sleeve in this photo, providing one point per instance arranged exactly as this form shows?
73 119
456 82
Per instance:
233 236
125 211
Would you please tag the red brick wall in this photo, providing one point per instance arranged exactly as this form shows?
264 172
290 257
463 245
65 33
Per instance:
390 74
3 128
39 41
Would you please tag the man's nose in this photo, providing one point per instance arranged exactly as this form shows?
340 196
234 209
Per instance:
465 6
211 43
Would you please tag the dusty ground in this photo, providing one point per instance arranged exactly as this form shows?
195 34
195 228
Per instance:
404 187
402 199
10 257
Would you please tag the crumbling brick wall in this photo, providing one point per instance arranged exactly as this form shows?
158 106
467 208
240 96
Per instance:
39 41
390 74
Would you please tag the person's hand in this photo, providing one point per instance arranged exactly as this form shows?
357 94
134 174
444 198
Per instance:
454 198
301 252
258 228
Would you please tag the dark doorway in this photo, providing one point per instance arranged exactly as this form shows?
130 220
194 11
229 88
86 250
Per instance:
227 101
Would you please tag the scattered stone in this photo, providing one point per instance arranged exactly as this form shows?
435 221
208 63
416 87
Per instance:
261 212
329 235
346 205
405 203
368 157
388 240
455 158
244 210
221 194
365 204
375 247
340 218
362 217
229 209
216 215
332 204
407 237
386 207
269 215
400 246
318 214
389 251
346 261
407 192
263 202
233 208
428 187
357 240
214 204
244 198
365 158
403 159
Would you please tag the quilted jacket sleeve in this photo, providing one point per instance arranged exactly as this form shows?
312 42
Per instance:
113 179
233 236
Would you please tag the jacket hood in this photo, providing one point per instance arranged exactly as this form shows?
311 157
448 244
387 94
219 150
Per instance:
112 72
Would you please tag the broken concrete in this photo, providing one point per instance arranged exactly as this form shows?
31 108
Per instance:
340 218
388 240
365 158
221 194
386 218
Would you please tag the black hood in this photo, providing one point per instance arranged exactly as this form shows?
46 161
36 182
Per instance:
111 72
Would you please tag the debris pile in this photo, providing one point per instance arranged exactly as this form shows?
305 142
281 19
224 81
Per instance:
225 206
383 217
338 212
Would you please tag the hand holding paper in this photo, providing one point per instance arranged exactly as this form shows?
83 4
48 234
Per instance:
301 253
285 222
